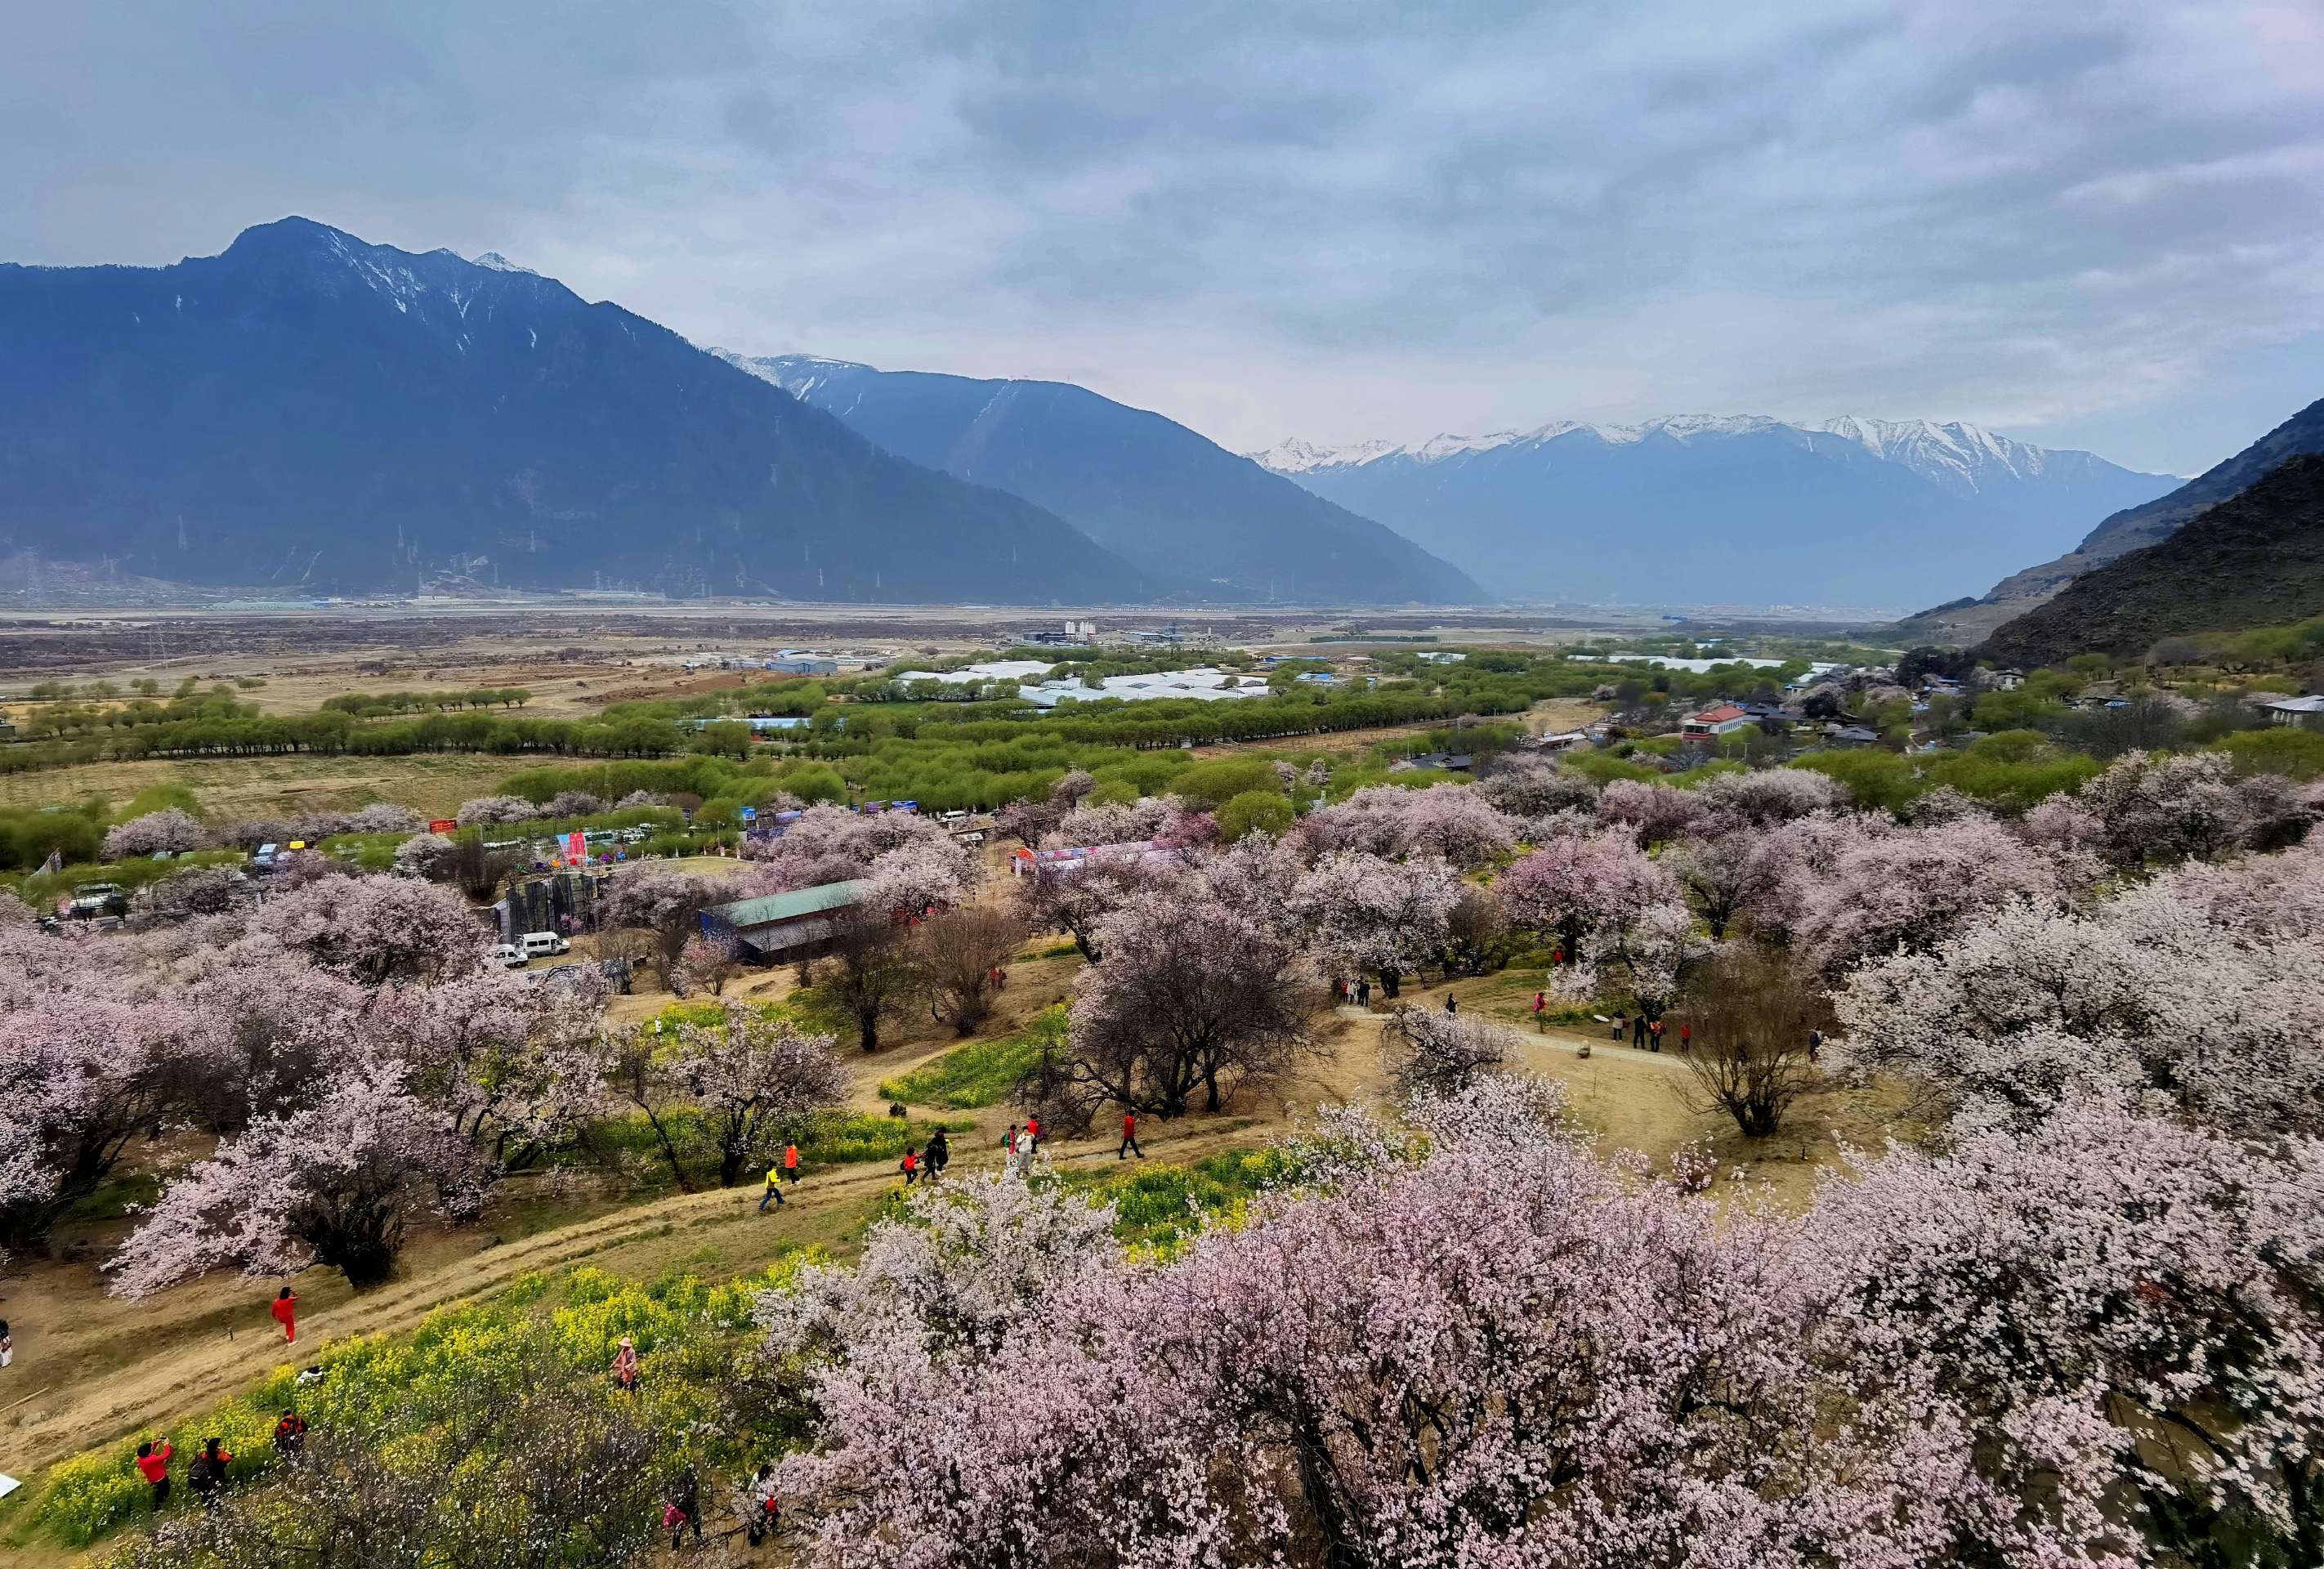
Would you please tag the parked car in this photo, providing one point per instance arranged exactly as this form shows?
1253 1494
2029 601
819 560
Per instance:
91 900
511 957
538 945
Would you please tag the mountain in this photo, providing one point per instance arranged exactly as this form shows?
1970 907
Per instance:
2254 559
308 410
1710 510
1172 503
2132 529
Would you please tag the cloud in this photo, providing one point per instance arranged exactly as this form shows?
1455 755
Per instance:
1342 220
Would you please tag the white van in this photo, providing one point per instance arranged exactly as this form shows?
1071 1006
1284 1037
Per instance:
511 957
538 943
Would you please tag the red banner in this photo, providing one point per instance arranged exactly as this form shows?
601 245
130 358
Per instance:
577 848
442 825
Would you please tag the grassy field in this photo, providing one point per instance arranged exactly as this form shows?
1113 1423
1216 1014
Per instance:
263 786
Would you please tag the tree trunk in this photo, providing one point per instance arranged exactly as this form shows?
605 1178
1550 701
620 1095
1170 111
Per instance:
1389 980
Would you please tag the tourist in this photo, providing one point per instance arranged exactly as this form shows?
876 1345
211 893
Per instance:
206 1475
791 1163
762 1513
286 1314
1129 1137
625 1366
685 1508
291 1436
1032 1135
1452 1003
153 1466
774 1194
910 1167
1621 1023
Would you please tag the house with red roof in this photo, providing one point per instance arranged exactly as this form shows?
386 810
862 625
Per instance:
1717 720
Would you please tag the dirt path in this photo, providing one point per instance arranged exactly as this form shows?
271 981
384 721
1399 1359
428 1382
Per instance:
89 1368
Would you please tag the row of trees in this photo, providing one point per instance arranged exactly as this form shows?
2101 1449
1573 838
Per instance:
361 1064
2081 1326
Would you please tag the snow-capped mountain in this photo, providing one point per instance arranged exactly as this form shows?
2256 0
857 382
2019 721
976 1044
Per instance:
1857 511
1147 488
317 413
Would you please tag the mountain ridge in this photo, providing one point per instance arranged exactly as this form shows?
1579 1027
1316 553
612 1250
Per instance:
1857 511
1164 497
2256 558
308 409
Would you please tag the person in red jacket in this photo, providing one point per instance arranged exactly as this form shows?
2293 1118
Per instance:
286 1314
1033 1133
1129 1137
910 1167
153 1466
791 1163
1685 1037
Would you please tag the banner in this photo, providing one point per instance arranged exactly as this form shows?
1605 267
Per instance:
442 825
576 847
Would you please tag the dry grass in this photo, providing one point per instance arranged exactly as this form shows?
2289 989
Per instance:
432 784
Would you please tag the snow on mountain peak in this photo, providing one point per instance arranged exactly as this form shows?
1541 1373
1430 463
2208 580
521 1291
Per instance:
1954 454
796 374
1293 456
493 262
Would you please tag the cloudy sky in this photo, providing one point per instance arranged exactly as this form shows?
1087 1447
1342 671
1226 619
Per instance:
2098 224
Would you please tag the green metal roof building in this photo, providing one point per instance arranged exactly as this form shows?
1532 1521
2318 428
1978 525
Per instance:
776 924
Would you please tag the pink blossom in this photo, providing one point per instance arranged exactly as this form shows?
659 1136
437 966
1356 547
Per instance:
170 830
1363 912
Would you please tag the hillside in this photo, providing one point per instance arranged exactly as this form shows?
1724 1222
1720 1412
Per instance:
1167 499
308 410
2254 559
2132 529
1856 512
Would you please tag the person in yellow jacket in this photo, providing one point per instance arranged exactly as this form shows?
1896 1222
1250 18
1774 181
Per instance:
774 1189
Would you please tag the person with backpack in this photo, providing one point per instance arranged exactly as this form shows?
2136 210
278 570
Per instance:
774 1194
286 1314
937 1156
910 1167
1129 1137
291 1436
153 1466
206 1475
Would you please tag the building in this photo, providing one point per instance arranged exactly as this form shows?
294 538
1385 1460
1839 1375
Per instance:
783 925
1039 864
2007 681
1724 720
791 664
2296 711
760 724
